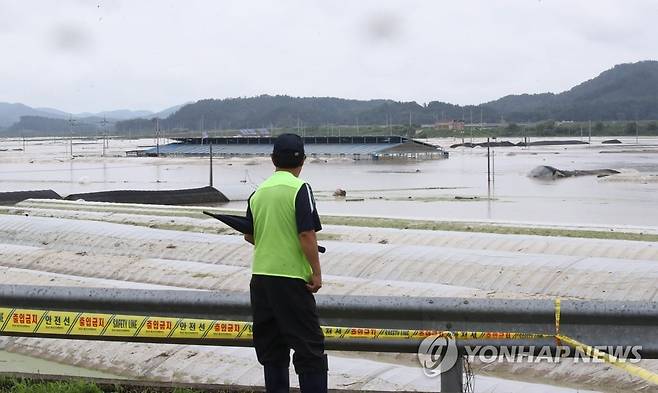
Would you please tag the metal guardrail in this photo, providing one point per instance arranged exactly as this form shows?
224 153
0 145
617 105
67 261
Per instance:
592 322
596 323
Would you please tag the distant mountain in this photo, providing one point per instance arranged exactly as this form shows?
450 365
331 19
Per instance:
625 92
20 119
56 113
521 103
11 113
121 114
265 110
165 112
42 126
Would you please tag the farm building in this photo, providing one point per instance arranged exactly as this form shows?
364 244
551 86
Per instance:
356 147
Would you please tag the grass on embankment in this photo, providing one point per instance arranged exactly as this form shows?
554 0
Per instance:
9 384
16 385
484 228
114 212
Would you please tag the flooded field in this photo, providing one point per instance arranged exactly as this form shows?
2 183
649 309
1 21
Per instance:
75 243
452 189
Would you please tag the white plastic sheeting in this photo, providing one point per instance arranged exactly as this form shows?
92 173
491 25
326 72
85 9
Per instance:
192 219
238 366
196 211
11 275
89 252
115 270
607 248
525 273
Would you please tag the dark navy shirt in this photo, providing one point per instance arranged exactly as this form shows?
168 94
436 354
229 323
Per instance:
305 211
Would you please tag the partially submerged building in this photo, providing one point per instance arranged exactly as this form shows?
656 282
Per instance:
356 147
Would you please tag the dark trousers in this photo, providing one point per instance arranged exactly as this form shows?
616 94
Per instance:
285 317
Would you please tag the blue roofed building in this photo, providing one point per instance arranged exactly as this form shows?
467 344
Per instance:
356 147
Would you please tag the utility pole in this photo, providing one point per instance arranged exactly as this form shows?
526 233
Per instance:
104 140
637 133
637 130
390 124
203 126
71 124
488 164
210 147
493 161
157 137
590 132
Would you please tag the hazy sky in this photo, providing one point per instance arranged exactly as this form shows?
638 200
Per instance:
103 55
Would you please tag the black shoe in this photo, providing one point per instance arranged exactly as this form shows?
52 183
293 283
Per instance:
313 382
277 379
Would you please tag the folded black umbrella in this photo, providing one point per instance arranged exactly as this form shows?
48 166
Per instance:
241 224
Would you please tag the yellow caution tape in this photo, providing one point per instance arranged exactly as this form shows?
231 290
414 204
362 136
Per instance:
114 325
597 354
557 321
68 323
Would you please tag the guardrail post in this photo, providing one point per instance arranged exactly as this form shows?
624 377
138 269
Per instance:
452 380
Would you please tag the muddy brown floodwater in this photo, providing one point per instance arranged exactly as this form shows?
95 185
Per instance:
452 189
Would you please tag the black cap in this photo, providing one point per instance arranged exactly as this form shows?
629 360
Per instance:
289 145
288 151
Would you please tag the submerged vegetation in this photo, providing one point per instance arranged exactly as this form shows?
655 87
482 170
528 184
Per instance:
370 222
375 222
9 384
16 385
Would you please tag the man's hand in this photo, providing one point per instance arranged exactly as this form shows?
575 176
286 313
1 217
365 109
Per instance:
249 238
309 244
315 284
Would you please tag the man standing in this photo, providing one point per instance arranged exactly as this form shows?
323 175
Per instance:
286 273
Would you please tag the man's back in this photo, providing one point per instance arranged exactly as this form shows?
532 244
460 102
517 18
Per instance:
278 251
286 273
